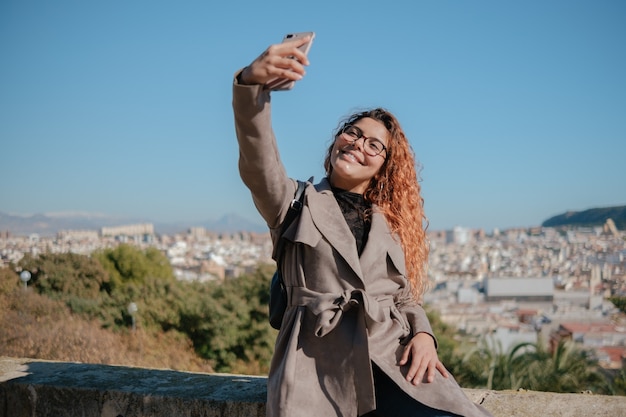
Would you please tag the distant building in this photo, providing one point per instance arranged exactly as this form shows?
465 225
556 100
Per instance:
577 298
129 230
77 235
198 232
609 228
608 340
519 289
459 236
468 296
506 337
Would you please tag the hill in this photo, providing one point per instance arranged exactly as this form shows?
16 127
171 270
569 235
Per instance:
36 326
589 218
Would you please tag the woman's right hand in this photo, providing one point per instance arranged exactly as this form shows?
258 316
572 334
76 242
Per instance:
277 62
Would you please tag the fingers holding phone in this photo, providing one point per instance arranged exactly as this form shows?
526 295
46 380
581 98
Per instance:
280 65
293 62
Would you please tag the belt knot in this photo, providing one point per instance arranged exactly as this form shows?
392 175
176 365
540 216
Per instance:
330 307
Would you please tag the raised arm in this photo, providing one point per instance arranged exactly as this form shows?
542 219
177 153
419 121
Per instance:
260 166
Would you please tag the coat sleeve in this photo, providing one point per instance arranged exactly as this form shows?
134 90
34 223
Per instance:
260 166
414 313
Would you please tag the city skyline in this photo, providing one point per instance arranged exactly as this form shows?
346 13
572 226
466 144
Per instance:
59 224
515 111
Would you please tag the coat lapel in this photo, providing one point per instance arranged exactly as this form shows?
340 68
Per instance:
328 219
378 244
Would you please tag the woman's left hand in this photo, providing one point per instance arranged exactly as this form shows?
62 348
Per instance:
424 360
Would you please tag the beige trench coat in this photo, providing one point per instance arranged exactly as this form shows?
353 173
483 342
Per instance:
345 311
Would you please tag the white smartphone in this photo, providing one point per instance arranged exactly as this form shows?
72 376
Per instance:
281 84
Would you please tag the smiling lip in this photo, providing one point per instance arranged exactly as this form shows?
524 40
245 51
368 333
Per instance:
352 156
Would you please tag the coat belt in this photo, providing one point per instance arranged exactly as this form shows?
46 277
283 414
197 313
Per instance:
329 309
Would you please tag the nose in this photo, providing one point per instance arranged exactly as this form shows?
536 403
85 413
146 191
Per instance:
355 143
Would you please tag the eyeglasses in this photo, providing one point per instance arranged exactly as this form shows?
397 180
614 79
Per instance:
371 146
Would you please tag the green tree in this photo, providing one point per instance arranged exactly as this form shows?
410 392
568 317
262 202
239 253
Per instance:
145 278
531 366
129 264
75 279
567 369
488 366
103 285
228 323
619 302
618 385
60 275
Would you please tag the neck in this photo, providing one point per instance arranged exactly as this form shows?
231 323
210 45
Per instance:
347 185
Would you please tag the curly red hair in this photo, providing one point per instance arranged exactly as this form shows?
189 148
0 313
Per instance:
395 190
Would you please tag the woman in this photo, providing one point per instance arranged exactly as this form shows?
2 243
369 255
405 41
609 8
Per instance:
354 339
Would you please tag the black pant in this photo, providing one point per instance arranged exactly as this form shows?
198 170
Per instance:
391 401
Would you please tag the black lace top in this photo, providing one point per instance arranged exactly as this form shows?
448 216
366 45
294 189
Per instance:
357 213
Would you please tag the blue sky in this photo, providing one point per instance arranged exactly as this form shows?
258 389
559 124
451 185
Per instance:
516 110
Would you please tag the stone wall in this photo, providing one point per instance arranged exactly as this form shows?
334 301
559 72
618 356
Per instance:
33 388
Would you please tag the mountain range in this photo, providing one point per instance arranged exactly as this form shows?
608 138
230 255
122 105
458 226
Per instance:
50 224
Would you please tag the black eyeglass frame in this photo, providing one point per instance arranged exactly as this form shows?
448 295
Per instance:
359 135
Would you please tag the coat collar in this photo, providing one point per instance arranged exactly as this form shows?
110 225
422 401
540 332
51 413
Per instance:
329 220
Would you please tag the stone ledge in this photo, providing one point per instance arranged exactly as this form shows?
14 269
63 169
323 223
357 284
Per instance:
34 388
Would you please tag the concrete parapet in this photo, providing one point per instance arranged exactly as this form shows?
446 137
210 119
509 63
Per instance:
34 388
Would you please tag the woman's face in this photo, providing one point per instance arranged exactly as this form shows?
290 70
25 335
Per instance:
353 168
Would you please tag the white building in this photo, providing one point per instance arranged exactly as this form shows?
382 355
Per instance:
519 289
